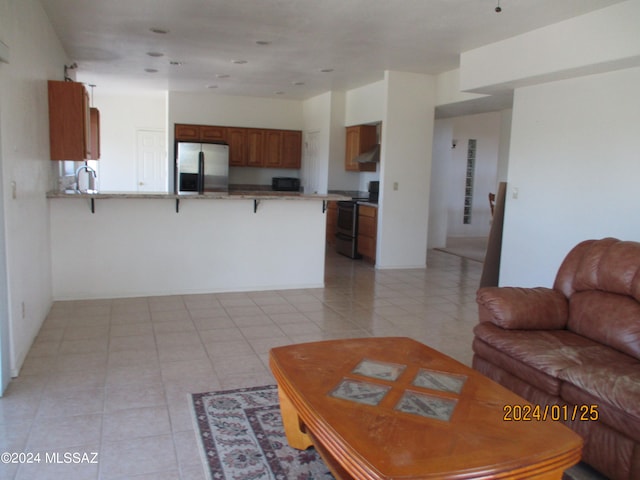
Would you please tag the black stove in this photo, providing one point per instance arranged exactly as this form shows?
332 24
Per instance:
347 228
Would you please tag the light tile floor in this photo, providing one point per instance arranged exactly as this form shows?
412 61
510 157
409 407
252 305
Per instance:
113 376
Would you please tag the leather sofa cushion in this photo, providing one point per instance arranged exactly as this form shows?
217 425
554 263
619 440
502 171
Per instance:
536 356
613 416
607 318
613 378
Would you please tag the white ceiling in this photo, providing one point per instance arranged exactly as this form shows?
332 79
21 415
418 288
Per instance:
357 39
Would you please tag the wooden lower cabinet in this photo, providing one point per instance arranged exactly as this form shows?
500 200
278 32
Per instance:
332 222
367 232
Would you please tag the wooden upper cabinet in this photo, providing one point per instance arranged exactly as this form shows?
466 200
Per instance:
94 116
255 147
272 148
213 134
187 132
359 139
200 133
291 149
69 121
249 147
237 140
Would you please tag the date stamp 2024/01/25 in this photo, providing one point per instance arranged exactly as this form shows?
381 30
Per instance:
557 413
49 457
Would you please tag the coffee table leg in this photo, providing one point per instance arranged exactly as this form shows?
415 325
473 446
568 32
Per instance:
292 426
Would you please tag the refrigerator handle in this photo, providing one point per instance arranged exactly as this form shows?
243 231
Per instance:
201 172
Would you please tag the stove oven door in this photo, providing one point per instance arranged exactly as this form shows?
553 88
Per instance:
347 229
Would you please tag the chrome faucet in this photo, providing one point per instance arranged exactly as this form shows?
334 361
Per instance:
91 184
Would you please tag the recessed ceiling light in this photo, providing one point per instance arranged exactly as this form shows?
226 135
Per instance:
155 54
298 83
326 70
222 75
151 70
239 62
263 42
161 31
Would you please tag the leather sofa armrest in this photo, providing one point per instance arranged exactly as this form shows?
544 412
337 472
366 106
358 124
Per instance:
523 308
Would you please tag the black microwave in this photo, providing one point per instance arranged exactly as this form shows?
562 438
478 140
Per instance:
285 184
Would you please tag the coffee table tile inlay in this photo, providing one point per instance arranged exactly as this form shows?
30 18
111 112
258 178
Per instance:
361 392
426 405
437 419
381 370
445 382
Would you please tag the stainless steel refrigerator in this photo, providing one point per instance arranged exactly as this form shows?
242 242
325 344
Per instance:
202 167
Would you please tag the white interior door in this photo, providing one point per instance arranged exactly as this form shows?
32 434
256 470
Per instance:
152 161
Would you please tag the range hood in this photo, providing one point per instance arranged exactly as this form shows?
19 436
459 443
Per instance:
370 156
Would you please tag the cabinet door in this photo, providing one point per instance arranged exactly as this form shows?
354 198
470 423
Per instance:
213 134
291 149
367 247
359 139
272 148
255 147
69 121
353 148
367 226
187 132
367 232
95 133
237 140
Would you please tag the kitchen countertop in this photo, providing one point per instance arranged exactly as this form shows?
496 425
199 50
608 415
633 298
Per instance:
234 195
368 204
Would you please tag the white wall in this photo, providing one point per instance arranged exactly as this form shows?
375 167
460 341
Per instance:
574 160
366 104
317 121
406 149
440 183
121 116
505 144
35 56
575 121
143 247
600 41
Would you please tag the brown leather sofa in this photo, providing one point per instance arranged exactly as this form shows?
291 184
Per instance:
574 350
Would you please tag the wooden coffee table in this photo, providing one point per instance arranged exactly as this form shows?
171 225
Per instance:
393 408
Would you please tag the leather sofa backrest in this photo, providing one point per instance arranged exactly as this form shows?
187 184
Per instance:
601 279
609 265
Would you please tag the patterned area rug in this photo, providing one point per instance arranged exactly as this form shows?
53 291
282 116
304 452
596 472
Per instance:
242 438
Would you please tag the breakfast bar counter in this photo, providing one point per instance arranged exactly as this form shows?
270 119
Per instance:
127 244
233 195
